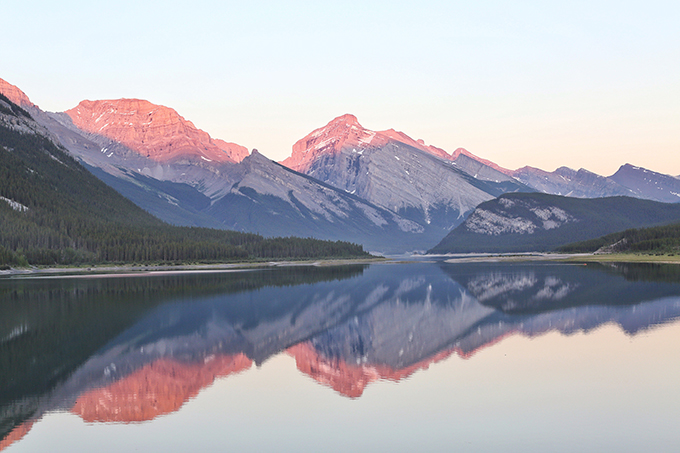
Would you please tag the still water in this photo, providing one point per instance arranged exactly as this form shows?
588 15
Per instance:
400 357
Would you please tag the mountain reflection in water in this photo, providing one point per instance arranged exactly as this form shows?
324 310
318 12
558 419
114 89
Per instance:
130 349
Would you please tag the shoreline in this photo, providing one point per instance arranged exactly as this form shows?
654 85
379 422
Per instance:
142 269
563 258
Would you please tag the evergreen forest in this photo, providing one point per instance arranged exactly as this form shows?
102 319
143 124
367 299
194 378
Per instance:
655 240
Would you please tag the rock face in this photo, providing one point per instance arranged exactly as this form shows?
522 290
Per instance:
462 152
542 222
481 169
15 95
391 170
648 184
270 199
159 388
154 131
346 132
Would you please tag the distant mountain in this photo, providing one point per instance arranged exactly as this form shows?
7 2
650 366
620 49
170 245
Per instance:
627 181
391 170
571 183
540 222
648 184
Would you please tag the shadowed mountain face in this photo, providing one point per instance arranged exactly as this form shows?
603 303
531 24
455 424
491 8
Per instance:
571 183
542 222
648 184
141 347
628 181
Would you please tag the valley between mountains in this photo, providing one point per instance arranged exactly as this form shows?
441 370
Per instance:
383 190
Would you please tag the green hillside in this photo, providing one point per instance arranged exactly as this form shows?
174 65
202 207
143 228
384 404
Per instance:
53 211
655 240
531 222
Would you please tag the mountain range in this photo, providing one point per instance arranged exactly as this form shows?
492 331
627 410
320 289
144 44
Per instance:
381 189
54 211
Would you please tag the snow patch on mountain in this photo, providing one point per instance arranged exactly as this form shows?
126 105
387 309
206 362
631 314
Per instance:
15 205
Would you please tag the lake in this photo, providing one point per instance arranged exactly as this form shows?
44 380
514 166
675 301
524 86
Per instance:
427 356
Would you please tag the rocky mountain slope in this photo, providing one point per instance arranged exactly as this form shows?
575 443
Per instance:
164 164
15 95
648 184
542 222
153 131
398 173
53 211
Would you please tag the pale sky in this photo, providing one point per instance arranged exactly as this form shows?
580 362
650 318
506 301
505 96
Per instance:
582 84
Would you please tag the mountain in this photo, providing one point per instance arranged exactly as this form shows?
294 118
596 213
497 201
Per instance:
571 183
53 211
395 172
648 184
345 132
627 181
540 222
15 95
164 164
153 131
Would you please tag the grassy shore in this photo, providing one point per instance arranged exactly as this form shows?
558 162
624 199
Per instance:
570 258
625 257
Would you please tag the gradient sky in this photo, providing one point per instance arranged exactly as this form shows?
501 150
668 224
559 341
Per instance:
581 84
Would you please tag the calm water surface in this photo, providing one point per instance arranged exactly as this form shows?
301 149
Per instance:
399 357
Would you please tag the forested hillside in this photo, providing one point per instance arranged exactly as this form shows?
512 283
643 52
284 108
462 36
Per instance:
657 240
528 222
53 211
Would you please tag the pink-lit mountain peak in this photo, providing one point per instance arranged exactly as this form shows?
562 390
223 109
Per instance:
346 132
155 131
15 95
